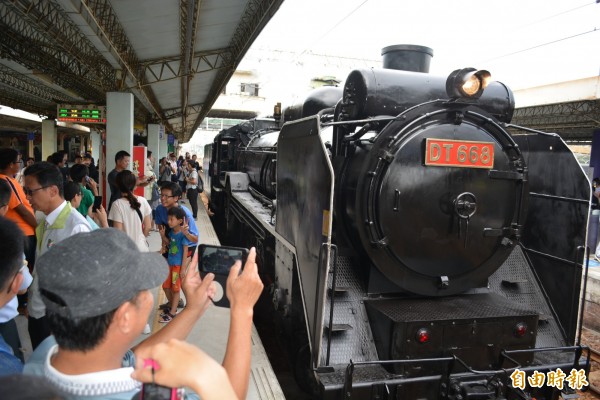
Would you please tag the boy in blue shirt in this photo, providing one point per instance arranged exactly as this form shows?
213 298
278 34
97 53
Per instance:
177 258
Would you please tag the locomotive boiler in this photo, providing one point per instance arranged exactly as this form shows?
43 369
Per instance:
414 243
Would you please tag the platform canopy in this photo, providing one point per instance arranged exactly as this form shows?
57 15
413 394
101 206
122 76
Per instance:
571 109
174 56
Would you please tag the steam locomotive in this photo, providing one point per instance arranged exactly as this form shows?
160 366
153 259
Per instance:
414 243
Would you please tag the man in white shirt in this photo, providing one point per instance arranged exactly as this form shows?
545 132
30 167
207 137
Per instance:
44 190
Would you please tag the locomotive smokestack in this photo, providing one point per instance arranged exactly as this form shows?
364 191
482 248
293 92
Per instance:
407 57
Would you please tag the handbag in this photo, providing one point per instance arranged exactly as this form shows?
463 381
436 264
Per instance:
200 185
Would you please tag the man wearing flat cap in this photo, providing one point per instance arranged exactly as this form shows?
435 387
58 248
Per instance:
98 299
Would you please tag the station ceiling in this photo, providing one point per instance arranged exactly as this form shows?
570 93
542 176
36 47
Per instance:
174 56
574 121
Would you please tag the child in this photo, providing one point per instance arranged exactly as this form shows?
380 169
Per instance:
177 259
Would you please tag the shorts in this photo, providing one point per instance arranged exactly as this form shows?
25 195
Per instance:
173 281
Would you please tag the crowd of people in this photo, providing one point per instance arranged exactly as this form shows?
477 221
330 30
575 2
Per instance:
84 276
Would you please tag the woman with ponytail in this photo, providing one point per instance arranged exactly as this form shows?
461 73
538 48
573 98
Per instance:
131 214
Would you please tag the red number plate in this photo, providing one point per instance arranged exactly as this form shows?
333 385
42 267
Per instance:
459 153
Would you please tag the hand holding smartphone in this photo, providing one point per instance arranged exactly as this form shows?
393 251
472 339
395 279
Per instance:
97 203
219 260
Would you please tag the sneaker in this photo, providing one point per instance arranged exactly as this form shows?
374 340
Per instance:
165 307
167 311
181 304
166 318
146 330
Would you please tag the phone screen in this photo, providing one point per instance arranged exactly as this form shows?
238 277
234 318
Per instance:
157 392
97 203
220 259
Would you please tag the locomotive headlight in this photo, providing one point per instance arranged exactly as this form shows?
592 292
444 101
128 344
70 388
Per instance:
467 83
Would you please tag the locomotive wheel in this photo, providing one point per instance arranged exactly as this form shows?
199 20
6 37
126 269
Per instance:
303 372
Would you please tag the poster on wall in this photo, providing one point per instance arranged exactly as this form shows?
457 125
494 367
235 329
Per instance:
138 166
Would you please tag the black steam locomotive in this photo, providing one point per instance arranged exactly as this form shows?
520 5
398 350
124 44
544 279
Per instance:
415 244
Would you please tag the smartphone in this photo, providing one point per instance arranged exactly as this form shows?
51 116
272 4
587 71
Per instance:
219 260
97 203
152 391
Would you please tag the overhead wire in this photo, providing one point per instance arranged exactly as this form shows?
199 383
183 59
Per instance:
550 42
557 14
298 55
541 45
334 27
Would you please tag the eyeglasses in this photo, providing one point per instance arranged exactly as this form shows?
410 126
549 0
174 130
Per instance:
30 192
166 196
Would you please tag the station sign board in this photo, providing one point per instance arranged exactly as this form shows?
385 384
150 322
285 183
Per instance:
81 114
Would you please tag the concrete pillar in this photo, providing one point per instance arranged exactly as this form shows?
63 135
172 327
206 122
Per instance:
163 146
95 145
82 139
48 138
119 129
30 139
154 131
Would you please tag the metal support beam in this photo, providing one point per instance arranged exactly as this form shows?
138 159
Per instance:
168 68
19 81
16 99
24 41
255 17
189 11
55 24
99 13
572 120
172 113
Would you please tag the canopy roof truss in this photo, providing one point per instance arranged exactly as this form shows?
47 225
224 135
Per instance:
74 51
573 121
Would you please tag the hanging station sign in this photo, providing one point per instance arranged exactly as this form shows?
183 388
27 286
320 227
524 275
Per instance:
81 114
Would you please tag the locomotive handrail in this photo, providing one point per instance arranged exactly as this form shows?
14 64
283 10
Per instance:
331 301
578 350
548 255
531 130
553 197
578 255
361 121
582 307
349 372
